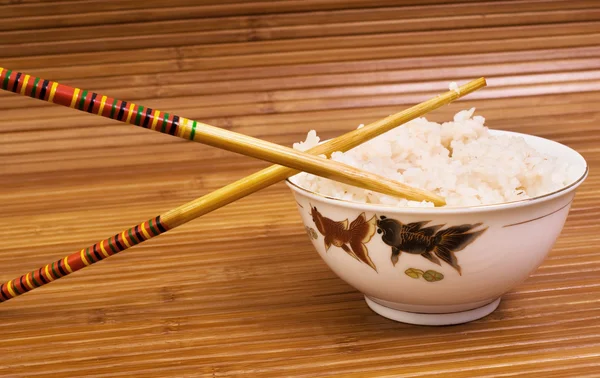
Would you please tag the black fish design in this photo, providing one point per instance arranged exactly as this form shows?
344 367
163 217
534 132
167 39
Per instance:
430 242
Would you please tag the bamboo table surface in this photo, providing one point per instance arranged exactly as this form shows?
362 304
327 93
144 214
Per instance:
241 291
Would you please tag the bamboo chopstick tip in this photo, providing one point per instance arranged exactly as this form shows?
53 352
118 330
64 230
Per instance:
456 92
475 84
428 196
439 201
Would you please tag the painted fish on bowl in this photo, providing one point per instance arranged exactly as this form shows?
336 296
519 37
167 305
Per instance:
432 242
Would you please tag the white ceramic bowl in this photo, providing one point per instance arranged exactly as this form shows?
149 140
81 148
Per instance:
466 261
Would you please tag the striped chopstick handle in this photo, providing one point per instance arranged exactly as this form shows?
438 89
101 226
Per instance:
94 103
81 259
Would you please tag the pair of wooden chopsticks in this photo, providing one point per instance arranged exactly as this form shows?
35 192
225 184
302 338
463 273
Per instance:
175 125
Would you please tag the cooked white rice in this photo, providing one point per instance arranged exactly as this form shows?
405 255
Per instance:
454 87
459 160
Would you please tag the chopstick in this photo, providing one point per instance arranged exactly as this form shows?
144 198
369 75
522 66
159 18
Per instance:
175 125
220 197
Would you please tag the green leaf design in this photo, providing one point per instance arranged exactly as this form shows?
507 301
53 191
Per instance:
311 233
413 273
429 276
433 276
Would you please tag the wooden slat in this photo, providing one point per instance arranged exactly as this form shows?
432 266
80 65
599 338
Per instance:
241 29
240 42
95 12
154 50
241 291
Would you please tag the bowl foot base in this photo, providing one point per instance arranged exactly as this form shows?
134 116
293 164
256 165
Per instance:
433 319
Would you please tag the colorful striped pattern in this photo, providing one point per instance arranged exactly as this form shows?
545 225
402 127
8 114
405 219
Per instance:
93 103
81 259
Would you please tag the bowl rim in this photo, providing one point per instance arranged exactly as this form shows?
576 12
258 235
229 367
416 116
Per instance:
453 209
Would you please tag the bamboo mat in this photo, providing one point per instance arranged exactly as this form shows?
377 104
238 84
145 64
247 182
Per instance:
241 292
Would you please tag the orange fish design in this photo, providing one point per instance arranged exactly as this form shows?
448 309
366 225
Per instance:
350 237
